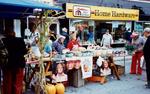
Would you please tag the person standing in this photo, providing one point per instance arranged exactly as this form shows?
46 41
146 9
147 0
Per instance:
65 33
13 72
138 43
91 35
147 55
127 35
34 40
73 44
107 39
48 47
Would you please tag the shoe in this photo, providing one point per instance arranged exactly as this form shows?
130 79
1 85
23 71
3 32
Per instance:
132 73
139 73
138 78
148 86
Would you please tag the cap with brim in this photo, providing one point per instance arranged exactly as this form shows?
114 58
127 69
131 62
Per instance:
60 36
134 34
64 29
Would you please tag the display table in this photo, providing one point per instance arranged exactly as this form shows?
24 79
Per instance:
118 44
76 75
120 57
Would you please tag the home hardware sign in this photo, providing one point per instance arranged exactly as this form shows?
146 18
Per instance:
100 13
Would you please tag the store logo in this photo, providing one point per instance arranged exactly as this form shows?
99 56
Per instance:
81 11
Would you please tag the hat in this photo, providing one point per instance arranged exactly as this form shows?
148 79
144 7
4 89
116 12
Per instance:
64 29
147 29
134 34
72 29
61 36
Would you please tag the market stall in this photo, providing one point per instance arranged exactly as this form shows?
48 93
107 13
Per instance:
83 60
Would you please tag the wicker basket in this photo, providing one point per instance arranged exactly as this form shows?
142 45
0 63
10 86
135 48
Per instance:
121 69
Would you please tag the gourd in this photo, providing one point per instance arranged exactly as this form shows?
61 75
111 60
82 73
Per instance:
50 89
60 89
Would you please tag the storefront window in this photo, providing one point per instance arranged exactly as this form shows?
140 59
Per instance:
119 29
146 24
138 26
84 30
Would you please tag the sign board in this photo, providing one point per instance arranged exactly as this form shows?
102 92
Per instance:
86 67
79 11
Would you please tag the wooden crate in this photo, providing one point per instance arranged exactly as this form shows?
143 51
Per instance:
121 69
75 78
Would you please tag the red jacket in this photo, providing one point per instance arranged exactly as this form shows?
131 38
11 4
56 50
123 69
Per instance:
71 43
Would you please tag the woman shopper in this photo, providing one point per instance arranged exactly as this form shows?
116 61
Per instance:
13 71
138 43
58 45
73 42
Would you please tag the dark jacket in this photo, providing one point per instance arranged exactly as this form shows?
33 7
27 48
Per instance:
146 50
16 51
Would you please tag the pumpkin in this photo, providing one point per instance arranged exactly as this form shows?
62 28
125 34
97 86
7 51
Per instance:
60 89
50 89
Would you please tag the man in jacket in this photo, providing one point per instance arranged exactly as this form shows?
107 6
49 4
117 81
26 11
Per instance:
13 72
147 55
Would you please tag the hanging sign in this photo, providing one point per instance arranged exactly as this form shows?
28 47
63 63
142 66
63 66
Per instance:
86 67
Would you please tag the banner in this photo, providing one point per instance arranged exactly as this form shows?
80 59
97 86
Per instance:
100 13
86 66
